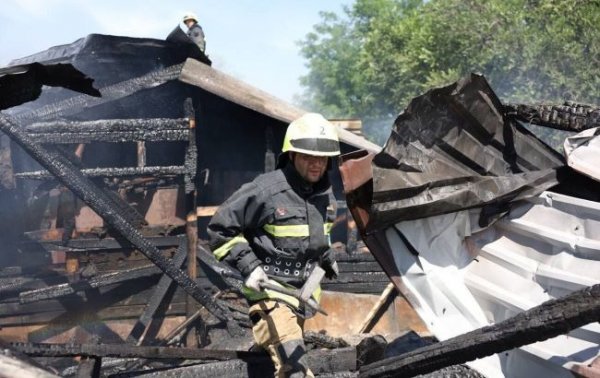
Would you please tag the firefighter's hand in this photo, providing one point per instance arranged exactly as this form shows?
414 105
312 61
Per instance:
256 278
331 270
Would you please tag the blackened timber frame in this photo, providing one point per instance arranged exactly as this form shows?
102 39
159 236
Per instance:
68 174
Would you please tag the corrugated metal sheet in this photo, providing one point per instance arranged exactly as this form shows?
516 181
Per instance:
583 152
459 212
464 279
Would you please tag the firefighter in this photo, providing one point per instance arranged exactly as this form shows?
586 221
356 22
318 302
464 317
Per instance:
276 228
195 31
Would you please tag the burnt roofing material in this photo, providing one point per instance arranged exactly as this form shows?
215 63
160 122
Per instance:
23 83
454 149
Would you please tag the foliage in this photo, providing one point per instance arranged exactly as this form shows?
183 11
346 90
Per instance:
372 60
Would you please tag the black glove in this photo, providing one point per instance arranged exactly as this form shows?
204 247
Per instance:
332 271
330 266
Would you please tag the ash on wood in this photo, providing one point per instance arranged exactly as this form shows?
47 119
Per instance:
550 319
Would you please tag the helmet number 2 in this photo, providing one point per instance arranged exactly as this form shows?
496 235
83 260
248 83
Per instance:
322 130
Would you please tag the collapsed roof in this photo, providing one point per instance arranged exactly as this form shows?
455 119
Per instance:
485 229
122 66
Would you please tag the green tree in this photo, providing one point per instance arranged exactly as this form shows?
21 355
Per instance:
370 61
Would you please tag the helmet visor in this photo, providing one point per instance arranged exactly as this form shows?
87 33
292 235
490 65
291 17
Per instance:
317 145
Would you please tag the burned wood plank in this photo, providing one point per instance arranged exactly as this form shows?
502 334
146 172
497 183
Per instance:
236 91
222 369
16 284
107 126
61 290
329 361
172 170
82 187
114 137
16 364
10 366
211 80
138 330
318 340
191 221
569 116
11 271
354 258
361 266
321 362
126 351
550 319
209 263
358 277
127 211
355 287
107 243
116 299
371 349
111 313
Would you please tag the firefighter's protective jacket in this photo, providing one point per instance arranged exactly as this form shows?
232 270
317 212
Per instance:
278 222
196 33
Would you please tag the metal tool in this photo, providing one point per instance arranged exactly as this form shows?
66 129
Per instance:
303 294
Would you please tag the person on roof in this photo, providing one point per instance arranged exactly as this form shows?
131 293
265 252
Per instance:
276 229
195 31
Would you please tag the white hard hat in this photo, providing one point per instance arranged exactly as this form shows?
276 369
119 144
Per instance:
190 16
312 134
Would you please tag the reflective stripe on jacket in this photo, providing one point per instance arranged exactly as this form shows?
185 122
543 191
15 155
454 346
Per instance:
276 221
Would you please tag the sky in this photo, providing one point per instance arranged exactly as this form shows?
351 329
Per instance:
253 40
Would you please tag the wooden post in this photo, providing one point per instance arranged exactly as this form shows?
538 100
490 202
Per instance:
191 217
366 325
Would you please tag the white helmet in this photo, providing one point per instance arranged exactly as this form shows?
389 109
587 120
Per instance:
190 16
312 134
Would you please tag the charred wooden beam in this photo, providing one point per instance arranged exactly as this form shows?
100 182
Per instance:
569 116
138 332
172 170
355 287
222 369
11 366
97 243
61 290
82 187
126 351
10 271
111 137
134 364
123 89
321 362
550 319
319 340
127 211
107 313
143 184
16 364
209 266
16 284
110 130
191 221
107 126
